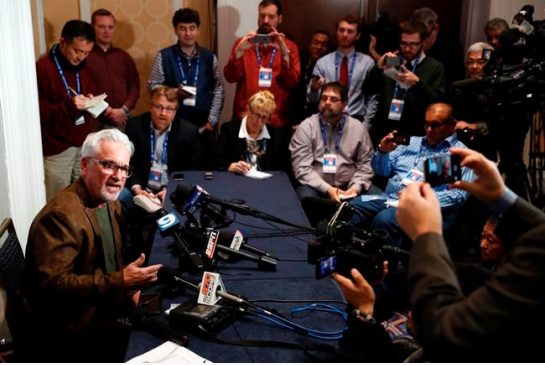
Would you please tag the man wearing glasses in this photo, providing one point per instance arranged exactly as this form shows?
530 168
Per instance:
409 88
162 145
75 288
404 165
331 151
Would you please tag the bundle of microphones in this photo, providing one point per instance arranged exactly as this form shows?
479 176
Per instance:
200 247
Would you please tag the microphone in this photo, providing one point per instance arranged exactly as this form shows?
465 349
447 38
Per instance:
210 243
188 199
237 242
169 225
210 289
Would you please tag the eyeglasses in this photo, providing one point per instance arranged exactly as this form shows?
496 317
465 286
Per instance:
333 99
262 117
111 168
409 44
161 109
435 125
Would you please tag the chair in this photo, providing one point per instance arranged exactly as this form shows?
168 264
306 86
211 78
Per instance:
11 268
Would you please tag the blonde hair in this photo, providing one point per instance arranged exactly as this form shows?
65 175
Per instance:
168 92
263 100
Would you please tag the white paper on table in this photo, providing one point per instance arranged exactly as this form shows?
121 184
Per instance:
254 174
169 352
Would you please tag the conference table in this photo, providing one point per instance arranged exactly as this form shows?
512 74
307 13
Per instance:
292 281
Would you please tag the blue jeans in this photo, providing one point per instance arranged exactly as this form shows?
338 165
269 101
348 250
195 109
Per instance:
374 215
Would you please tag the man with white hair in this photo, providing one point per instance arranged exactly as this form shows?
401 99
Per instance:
74 287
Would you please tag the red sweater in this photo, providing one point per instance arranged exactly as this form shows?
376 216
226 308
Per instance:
245 71
58 113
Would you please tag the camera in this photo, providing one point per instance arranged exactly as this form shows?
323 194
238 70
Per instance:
343 247
442 169
261 38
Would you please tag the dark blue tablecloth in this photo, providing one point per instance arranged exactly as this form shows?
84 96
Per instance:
293 279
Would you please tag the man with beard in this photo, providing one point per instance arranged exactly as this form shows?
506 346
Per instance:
407 90
74 287
265 60
331 151
350 68
64 85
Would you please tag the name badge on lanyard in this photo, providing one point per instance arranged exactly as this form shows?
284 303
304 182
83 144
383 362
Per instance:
191 100
157 176
265 77
396 109
80 120
330 163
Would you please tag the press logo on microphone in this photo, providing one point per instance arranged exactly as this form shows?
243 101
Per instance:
208 289
168 221
237 241
212 243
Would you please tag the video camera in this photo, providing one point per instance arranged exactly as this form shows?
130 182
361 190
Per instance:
343 247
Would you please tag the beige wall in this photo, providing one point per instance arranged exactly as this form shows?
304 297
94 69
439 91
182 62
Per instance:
143 28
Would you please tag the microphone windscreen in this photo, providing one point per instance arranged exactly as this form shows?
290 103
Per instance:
167 275
180 195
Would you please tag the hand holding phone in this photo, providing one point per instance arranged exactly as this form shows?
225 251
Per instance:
403 139
442 169
392 61
261 38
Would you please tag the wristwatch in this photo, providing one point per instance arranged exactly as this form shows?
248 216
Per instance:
366 317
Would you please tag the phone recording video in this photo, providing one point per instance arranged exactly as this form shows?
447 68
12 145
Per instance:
261 38
442 169
403 139
393 61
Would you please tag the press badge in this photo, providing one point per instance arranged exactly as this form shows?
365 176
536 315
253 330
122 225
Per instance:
330 163
396 108
80 120
265 77
157 176
412 176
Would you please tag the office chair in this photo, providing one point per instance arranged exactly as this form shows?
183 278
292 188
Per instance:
11 268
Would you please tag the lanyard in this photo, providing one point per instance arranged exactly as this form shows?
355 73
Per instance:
351 68
258 55
61 73
397 85
337 137
184 79
165 143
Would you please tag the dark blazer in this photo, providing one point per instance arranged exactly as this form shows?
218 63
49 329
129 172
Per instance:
183 149
497 322
67 292
231 148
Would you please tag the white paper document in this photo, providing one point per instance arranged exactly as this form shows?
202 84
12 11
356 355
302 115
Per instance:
96 105
254 174
171 353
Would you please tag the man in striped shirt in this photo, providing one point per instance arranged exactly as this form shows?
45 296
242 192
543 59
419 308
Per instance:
403 165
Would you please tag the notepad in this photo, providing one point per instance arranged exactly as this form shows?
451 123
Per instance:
96 105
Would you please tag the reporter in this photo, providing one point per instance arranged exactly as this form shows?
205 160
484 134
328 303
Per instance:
493 323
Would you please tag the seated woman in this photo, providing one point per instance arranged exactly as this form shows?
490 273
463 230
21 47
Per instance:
251 143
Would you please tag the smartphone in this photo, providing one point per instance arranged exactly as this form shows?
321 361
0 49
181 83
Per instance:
403 139
261 38
392 61
442 169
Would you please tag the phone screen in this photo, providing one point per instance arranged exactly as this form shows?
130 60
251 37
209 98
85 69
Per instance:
442 169
325 266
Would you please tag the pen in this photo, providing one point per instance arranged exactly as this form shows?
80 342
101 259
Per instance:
73 91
